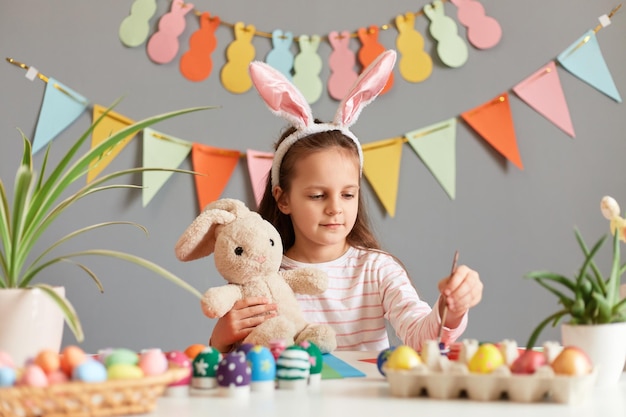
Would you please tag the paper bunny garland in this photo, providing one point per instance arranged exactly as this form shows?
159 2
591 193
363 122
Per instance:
285 100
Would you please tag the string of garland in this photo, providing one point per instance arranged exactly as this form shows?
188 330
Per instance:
304 68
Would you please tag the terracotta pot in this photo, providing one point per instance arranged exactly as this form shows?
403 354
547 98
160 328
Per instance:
604 343
30 321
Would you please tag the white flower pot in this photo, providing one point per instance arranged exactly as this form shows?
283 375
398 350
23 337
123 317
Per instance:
604 343
30 321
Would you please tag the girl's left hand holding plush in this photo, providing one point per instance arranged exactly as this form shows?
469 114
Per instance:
460 291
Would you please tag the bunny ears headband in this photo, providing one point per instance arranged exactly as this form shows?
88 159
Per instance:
286 101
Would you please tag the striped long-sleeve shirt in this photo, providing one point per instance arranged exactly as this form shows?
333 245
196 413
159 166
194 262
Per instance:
365 288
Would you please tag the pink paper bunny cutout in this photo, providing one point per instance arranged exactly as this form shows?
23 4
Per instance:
163 45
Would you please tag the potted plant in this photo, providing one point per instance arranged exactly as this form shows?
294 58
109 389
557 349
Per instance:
591 301
38 199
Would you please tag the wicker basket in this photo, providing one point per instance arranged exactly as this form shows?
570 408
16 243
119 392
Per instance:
82 399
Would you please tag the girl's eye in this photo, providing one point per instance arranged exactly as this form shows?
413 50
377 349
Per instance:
348 195
317 196
238 251
271 242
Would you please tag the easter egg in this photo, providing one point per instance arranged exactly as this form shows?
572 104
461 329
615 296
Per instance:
33 376
233 374
262 368
124 371
382 357
315 357
293 367
90 371
204 368
528 362
153 362
193 350
403 357
486 359
57 377
71 356
118 356
7 376
6 360
48 360
176 358
245 348
572 361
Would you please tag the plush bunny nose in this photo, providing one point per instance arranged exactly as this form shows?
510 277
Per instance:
260 259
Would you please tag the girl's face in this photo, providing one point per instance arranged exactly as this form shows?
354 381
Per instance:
323 204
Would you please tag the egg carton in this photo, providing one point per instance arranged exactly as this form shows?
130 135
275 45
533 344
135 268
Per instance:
440 378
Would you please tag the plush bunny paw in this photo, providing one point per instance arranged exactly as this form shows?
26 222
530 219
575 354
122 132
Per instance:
320 334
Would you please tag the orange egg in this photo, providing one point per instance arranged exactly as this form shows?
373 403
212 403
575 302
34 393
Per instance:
48 361
71 357
193 350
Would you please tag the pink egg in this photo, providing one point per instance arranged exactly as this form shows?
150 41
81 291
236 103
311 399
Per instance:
153 362
181 360
34 376
57 377
6 360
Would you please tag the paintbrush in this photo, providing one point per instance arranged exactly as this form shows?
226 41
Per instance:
445 305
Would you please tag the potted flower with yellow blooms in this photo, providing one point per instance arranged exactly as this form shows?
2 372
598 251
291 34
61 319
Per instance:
592 302
32 312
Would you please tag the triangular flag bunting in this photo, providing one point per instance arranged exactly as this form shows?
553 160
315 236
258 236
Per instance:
259 165
217 165
61 106
435 145
108 126
584 59
381 166
494 122
543 92
160 151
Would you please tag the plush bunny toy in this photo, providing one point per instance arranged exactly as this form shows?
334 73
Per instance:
248 252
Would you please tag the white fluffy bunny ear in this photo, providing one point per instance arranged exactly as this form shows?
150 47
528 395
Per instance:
199 239
280 95
366 88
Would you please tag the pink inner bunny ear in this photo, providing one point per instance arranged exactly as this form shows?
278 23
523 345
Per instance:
366 88
280 95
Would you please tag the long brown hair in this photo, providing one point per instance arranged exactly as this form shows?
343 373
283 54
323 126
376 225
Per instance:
361 235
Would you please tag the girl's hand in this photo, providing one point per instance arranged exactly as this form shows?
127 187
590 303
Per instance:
235 325
460 292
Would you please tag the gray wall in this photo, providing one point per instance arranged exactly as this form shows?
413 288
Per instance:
504 221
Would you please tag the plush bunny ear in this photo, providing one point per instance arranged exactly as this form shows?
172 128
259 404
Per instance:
198 240
280 95
366 88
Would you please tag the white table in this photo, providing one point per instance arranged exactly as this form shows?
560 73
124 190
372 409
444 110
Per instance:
369 396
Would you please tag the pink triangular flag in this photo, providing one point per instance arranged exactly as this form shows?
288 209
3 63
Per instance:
543 92
259 165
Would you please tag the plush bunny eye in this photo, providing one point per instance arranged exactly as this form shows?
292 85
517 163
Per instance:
238 250
271 242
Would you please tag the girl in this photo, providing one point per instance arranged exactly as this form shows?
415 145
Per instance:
313 199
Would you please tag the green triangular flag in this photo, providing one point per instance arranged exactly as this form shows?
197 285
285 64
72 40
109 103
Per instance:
160 151
435 145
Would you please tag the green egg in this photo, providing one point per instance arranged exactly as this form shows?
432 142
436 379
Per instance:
122 356
124 371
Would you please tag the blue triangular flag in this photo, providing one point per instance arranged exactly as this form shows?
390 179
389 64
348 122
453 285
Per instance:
61 106
584 59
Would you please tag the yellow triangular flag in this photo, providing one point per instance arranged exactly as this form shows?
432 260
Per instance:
381 166
111 123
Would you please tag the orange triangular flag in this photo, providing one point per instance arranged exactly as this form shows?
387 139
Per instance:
493 121
109 125
381 166
217 165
